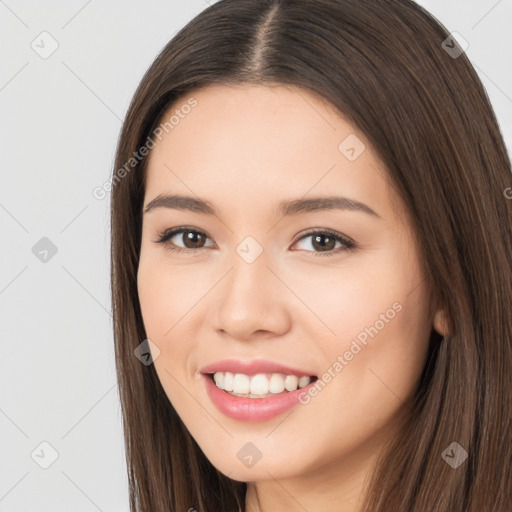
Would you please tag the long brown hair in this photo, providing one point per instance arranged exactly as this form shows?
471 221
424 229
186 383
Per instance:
383 65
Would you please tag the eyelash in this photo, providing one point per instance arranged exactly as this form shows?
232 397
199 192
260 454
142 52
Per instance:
169 233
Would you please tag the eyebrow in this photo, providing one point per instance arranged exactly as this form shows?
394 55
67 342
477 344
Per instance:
285 208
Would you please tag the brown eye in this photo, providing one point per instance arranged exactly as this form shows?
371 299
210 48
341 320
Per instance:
190 238
323 243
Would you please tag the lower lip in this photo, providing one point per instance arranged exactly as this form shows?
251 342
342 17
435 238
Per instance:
252 409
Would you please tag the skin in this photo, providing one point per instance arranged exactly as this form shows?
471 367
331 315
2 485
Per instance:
245 148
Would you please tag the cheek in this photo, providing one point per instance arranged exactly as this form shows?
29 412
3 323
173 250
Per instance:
379 336
166 292
151 286
380 355
159 303
169 296
372 369
343 302
163 305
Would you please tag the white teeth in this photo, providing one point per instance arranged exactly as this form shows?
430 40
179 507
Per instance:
291 382
219 379
303 381
260 385
241 383
228 381
277 384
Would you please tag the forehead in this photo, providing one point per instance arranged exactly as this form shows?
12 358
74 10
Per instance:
263 143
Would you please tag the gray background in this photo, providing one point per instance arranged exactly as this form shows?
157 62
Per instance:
61 117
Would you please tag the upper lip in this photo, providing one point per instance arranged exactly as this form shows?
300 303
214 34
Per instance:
252 367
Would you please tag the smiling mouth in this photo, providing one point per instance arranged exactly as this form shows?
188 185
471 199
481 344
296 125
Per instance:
262 385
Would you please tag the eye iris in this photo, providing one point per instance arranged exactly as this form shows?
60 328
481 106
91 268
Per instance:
192 236
329 245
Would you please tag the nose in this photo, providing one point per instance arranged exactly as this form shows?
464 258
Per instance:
252 301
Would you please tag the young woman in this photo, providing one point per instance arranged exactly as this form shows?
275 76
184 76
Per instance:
312 267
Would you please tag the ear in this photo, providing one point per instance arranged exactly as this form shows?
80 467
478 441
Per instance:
441 323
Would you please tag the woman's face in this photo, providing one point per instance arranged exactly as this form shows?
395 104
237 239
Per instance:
252 283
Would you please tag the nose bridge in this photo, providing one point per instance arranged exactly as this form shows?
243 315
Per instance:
249 297
249 280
